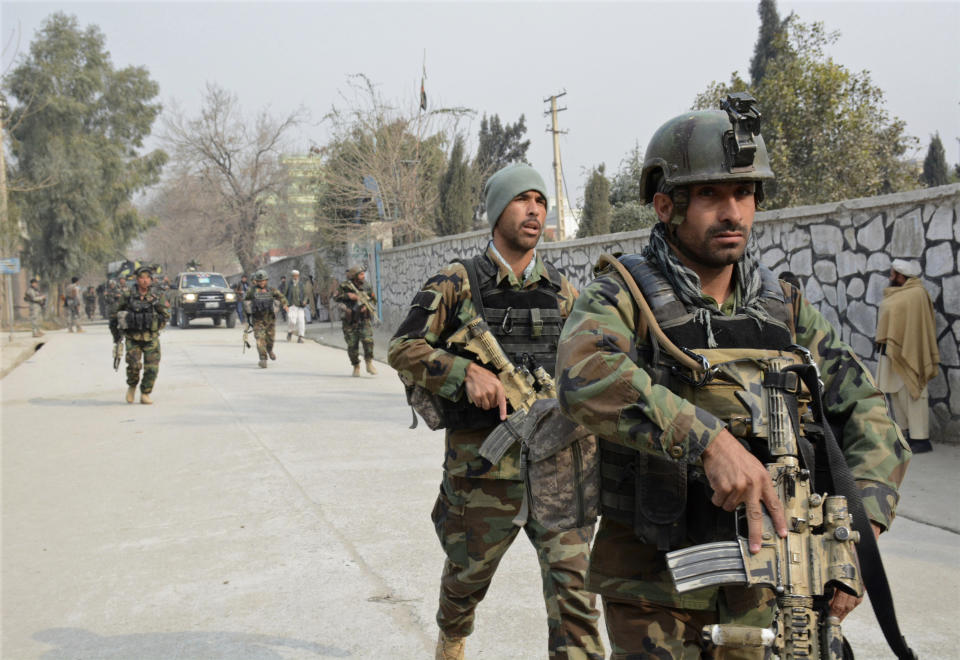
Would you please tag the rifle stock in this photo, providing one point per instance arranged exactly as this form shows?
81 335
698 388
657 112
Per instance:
117 354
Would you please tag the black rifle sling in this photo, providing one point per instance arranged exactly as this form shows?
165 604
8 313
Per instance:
475 295
871 565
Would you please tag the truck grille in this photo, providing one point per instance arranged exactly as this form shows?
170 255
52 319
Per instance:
204 298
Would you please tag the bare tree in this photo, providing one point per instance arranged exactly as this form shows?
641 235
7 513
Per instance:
382 165
236 161
186 216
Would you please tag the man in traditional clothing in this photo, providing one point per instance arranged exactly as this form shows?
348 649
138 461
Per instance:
909 358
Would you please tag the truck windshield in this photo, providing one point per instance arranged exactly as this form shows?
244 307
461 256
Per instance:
204 279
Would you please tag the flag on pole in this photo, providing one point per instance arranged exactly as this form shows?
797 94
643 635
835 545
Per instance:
423 89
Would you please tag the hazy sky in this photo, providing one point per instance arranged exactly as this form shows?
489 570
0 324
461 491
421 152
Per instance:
626 67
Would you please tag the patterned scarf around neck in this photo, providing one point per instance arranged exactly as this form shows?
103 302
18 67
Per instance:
686 283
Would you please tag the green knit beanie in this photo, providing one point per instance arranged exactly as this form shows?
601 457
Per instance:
507 183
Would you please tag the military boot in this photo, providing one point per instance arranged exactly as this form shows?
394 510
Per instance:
370 368
263 364
450 648
356 371
131 392
145 399
273 356
289 336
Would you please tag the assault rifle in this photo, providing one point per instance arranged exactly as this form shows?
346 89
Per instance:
522 384
817 553
364 300
246 335
117 354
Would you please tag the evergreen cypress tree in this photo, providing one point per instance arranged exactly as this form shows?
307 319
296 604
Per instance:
771 27
935 171
457 194
596 205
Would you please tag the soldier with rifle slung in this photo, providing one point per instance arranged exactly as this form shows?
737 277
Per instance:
261 315
522 300
358 311
686 432
139 316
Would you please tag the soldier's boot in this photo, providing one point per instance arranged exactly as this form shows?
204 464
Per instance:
289 335
370 368
145 398
79 329
273 356
263 364
356 371
131 392
450 648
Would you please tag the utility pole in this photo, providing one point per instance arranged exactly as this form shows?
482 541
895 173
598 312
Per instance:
557 167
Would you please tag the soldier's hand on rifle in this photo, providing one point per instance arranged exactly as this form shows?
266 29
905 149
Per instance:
843 603
737 477
485 390
352 296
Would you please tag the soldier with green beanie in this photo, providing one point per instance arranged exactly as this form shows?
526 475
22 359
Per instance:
139 316
674 462
524 300
258 306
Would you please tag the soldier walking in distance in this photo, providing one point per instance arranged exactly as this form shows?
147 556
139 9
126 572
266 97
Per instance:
356 319
140 315
660 434
909 356
74 297
524 300
36 301
259 308
90 302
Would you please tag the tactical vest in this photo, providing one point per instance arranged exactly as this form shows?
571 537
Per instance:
526 323
650 493
262 302
140 314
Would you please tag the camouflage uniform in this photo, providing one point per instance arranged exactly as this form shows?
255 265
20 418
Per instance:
477 503
356 322
604 384
36 301
143 346
264 322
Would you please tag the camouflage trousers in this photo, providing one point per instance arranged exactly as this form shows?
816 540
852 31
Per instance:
354 335
640 629
147 355
36 317
474 521
264 331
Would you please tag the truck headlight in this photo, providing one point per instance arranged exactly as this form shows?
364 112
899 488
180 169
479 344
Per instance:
230 297
189 297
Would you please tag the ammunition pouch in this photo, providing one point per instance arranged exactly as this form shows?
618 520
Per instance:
426 403
262 303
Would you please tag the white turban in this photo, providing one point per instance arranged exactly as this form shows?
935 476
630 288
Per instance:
907 268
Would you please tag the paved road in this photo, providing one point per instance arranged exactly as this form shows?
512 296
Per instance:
284 513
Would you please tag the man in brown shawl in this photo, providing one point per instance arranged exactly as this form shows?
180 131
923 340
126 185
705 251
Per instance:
909 359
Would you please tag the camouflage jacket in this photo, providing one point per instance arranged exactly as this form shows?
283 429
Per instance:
270 315
353 312
417 353
34 297
602 384
161 312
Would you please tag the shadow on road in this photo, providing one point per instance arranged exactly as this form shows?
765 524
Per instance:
75 643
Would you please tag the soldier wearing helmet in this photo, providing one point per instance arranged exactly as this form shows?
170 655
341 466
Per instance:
259 308
355 297
672 461
139 316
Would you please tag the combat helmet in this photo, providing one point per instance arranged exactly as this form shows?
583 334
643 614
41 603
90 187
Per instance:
353 271
707 146
259 275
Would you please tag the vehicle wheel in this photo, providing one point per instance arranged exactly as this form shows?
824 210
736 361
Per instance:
182 320
216 321
231 320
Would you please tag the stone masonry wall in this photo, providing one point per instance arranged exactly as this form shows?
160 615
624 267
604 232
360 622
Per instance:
840 251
